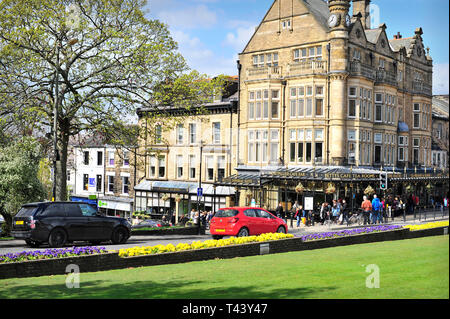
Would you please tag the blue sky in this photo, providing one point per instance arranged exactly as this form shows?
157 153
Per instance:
211 33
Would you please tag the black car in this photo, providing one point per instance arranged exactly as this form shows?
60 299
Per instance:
59 223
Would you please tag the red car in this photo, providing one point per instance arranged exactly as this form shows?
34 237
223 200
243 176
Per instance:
245 221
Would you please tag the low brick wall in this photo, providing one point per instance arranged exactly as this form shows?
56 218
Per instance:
113 261
166 231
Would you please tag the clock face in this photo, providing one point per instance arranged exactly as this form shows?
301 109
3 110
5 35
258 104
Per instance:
333 20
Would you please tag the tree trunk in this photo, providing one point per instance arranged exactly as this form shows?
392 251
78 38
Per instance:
61 165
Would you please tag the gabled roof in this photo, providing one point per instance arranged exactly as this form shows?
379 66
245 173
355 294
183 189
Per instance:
319 9
372 35
397 44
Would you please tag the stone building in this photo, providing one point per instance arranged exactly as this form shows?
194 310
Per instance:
326 97
197 152
440 142
103 175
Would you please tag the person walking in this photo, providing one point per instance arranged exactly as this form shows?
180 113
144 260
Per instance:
279 210
376 208
344 212
395 207
335 211
366 207
298 215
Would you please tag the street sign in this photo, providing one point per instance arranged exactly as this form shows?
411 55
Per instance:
199 192
309 203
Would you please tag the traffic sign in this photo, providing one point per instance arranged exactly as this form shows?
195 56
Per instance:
199 192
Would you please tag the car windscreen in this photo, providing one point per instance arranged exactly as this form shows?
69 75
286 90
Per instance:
226 213
26 211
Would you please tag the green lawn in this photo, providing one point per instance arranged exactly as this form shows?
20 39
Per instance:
415 268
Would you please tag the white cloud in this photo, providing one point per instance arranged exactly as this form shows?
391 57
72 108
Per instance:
188 18
441 78
239 39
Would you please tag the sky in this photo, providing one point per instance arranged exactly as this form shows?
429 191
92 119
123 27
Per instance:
211 33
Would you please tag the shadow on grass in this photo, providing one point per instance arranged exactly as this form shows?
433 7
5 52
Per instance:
172 289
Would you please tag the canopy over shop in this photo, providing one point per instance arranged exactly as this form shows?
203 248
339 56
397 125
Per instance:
266 187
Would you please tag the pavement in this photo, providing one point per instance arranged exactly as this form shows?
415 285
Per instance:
429 216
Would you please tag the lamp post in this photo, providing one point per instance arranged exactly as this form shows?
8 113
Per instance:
199 187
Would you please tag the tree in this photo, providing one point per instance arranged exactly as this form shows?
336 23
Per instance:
93 62
19 183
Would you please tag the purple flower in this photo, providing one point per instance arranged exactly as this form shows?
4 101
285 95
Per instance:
349 232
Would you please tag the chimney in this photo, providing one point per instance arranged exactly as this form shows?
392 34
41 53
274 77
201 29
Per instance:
397 36
362 7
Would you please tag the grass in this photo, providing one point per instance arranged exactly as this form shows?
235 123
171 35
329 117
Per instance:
409 269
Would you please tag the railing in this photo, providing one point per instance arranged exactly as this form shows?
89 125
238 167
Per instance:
307 67
422 88
266 72
360 69
383 76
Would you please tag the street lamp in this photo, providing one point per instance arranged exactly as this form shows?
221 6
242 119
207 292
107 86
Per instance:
199 187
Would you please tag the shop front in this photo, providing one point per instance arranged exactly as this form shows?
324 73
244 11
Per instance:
313 186
174 199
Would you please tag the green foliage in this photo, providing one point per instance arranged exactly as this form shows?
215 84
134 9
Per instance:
107 59
19 183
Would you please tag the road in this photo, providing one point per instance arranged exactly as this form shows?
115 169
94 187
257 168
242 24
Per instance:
15 246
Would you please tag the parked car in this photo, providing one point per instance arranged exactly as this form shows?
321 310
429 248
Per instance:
245 221
150 223
59 223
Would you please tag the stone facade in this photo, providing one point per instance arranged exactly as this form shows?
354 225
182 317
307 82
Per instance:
333 95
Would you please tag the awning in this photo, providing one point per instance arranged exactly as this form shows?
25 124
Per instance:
183 187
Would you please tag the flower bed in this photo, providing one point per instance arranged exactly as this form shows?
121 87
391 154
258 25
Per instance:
427 225
51 254
349 232
158 249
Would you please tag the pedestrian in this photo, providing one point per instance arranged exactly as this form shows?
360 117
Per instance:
279 210
344 212
366 206
192 214
298 215
335 211
196 218
395 207
376 208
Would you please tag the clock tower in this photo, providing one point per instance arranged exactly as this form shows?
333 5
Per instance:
338 23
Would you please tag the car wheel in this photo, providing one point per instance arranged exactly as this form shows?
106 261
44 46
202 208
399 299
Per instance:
281 229
32 243
243 232
57 238
119 235
217 236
